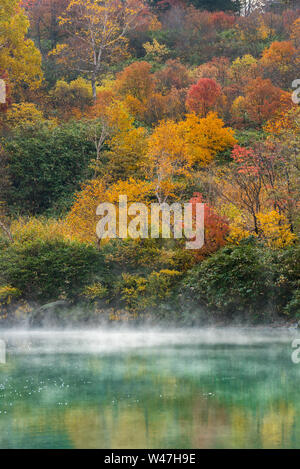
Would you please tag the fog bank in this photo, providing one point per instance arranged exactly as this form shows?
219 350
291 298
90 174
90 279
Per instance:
107 340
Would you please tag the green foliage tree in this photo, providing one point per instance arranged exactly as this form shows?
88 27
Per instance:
287 262
46 166
45 270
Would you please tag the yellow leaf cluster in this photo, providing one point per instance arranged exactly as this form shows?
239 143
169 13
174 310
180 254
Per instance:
275 229
23 114
206 137
82 220
18 55
175 147
7 294
24 229
237 223
155 51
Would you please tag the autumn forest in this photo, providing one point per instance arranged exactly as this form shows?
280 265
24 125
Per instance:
164 101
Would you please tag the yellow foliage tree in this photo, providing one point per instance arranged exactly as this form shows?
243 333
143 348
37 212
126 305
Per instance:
239 110
155 51
18 55
167 158
206 137
127 154
175 147
237 223
107 118
72 98
82 220
97 33
135 190
23 114
243 69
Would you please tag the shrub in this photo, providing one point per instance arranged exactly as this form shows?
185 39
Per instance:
287 269
235 280
69 98
148 294
8 294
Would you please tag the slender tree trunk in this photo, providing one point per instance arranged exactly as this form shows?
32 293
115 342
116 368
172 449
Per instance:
255 223
54 26
93 81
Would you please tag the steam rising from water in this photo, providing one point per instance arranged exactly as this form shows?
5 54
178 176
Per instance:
149 388
106 341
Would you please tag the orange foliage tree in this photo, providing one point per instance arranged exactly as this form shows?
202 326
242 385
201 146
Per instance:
279 62
136 80
263 100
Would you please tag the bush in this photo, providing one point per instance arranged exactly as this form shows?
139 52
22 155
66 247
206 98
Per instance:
8 294
235 280
69 97
23 114
46 270
148 294
287 268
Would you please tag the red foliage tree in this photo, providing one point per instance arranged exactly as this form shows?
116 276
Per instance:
216 229
202 97
222 20
246 160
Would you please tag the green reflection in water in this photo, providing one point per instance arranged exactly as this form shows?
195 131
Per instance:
168 396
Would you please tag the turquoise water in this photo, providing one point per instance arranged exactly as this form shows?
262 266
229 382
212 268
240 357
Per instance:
224 388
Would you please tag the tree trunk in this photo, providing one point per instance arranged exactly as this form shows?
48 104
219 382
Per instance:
93 81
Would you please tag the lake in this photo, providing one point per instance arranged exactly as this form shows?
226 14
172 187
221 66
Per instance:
122 388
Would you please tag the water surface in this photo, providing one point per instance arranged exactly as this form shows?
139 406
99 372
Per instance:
222 388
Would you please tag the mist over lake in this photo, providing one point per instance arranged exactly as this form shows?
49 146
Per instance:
149 227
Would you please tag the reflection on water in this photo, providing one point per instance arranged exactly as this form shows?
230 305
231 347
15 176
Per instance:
149 389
